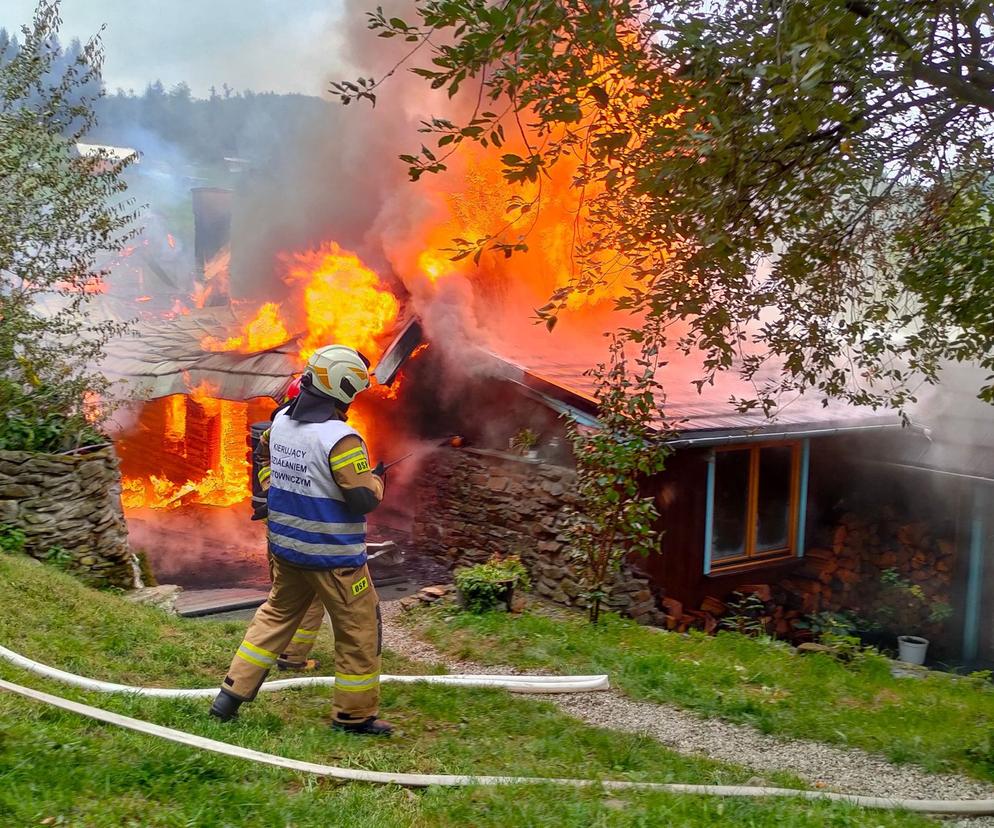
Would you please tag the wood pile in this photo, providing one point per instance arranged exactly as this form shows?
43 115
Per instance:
846 575
771 611
843 574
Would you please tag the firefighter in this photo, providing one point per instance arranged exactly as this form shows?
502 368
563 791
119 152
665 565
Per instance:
295 655
320 489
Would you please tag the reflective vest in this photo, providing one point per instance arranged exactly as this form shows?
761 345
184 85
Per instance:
309 523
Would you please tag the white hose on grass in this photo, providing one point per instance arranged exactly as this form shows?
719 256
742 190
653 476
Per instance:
972 807
516 684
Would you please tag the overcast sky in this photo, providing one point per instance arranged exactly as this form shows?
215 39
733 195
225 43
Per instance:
263 45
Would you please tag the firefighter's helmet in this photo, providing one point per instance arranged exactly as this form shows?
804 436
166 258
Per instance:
338 372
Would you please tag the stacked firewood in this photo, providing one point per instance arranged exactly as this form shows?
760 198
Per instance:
844 574
769 610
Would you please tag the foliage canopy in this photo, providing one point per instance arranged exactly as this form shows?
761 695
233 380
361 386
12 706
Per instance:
797 191
60 212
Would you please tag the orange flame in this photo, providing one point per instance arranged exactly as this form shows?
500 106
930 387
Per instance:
202 433
265 330
335 298
546 219
344 301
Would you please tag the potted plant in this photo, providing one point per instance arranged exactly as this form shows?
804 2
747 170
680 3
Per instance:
904 610
486 586
524 442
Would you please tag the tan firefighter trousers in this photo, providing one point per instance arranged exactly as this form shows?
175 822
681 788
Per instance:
304 638
352 603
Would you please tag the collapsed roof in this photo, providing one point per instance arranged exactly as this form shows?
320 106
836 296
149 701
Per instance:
165 356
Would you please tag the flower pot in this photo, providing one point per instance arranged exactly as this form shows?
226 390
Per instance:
911 649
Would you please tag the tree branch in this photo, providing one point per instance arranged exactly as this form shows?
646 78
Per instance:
960 88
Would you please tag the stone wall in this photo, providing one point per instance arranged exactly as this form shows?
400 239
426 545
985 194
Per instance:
72 502
473 503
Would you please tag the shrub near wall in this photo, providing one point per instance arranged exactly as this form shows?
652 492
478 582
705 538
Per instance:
72 502
475 503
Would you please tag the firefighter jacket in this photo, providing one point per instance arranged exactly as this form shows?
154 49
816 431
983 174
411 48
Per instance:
310 523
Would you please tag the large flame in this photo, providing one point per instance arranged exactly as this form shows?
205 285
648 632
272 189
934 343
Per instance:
344 301
204 440
334 297
545 217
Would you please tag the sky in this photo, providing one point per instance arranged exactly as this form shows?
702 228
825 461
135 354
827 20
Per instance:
263 45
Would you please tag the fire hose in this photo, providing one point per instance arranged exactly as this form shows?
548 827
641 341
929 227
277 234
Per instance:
963 807
516 684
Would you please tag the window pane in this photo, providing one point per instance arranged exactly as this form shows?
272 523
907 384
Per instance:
773 506
731 499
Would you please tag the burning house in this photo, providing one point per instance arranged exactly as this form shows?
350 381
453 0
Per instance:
806 511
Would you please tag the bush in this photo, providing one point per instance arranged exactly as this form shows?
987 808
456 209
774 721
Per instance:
31 423
62 215
59 557
12 539
747 615
844 622
903 607
484 586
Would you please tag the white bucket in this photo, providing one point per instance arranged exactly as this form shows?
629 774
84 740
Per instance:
911 649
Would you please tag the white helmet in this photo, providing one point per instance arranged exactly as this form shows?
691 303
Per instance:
338 372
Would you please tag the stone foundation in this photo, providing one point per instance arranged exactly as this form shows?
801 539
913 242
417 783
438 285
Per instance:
474 503
72 502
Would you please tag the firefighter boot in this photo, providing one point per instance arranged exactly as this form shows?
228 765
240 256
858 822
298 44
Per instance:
366 727
225 707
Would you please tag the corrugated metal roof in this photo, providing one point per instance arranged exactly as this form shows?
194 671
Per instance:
166 357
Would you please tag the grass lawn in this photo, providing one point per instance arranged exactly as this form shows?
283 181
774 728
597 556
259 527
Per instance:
68 770
940 722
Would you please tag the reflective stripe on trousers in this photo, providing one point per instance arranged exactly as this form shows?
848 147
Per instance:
349 683
258 656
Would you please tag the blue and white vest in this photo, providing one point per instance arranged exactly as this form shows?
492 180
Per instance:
309 523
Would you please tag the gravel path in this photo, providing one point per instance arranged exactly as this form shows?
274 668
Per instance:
841 769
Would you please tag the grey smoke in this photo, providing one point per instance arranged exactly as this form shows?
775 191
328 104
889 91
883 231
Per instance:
263 45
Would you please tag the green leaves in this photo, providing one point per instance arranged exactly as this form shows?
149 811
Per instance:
615 517
777 179
484 586
59 214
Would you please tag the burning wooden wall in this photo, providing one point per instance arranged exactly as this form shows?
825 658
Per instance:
189 449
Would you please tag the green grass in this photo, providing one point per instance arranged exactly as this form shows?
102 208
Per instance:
69 770
940 722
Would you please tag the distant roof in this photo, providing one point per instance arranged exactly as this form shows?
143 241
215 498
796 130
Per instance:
116 153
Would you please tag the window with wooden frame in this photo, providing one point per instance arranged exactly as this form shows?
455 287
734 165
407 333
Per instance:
756 503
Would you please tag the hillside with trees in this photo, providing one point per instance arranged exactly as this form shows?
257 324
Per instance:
171 123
